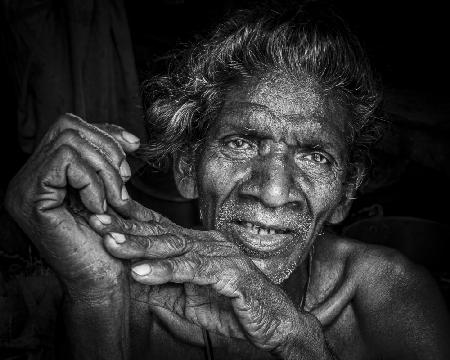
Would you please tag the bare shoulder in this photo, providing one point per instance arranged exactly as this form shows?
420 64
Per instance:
371 265
397 303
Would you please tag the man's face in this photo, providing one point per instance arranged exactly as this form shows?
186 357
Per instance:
273 169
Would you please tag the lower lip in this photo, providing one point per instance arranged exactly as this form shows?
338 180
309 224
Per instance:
265 243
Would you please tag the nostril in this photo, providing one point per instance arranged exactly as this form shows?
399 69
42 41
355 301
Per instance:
271 184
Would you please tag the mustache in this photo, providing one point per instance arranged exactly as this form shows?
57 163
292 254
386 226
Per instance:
296 220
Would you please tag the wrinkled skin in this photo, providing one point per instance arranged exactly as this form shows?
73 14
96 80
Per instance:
258 310
280 174
271 173
89 163
275 157
86 159
261 311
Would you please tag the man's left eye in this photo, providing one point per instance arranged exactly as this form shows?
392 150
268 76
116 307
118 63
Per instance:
317 157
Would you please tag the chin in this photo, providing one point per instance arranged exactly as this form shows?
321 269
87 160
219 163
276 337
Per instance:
275 250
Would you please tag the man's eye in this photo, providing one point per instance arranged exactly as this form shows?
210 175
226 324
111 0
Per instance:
317 157
238 144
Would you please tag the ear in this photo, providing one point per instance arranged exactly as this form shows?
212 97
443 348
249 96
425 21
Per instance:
342 210
184 175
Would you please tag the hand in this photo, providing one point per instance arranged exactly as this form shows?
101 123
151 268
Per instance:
77 169
212 270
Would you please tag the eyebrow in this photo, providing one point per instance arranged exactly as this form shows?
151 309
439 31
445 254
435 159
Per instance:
308 143
245 126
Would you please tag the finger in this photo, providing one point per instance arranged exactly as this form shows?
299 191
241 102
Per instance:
115 190
145 247
135 211
127 140
182 269
107 223
98 138
221 275
66 167
128 239
157 272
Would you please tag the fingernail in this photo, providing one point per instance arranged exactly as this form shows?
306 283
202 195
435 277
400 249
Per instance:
130 137
118 238
124 170
125 195
142 269
104 219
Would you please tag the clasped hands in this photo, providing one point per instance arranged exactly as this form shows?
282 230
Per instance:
219 288
212 270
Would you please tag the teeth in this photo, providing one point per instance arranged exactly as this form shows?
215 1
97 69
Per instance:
259 230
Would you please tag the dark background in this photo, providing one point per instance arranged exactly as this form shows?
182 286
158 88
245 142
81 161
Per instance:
405 203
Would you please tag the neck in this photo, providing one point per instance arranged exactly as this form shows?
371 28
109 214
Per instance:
295 285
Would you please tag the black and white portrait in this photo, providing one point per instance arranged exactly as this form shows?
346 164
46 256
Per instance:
185 179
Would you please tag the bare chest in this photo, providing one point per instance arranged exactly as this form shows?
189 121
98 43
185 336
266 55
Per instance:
343 336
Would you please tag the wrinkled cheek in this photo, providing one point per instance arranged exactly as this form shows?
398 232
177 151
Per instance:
217 178
322 205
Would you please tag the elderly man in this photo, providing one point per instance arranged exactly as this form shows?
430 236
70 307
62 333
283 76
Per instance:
267 123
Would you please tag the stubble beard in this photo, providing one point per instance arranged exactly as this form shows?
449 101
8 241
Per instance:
276 265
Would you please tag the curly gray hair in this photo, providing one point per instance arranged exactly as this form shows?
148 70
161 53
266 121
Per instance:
309 40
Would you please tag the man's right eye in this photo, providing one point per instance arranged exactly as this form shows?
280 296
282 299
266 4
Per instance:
238 144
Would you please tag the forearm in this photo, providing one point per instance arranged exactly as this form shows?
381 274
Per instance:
98 327
308 343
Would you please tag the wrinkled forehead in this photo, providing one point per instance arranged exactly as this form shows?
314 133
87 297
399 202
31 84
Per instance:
293 107
285 97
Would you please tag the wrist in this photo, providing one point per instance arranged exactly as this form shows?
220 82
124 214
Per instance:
94 294
97 322
305 342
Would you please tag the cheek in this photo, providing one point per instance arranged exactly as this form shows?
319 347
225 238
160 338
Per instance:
326 193
218 177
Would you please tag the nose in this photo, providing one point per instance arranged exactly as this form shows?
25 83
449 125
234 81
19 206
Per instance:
272 182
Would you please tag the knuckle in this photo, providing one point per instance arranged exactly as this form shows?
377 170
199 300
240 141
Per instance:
123 225
66 152
170 266
147 244
177 244
67 121
69 135
199 265
110 128
126 226
182 266
109 139
157 229
132 227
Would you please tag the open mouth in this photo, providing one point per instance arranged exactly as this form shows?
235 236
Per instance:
260 229
259 239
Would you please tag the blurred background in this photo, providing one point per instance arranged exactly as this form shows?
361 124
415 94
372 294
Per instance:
89 57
